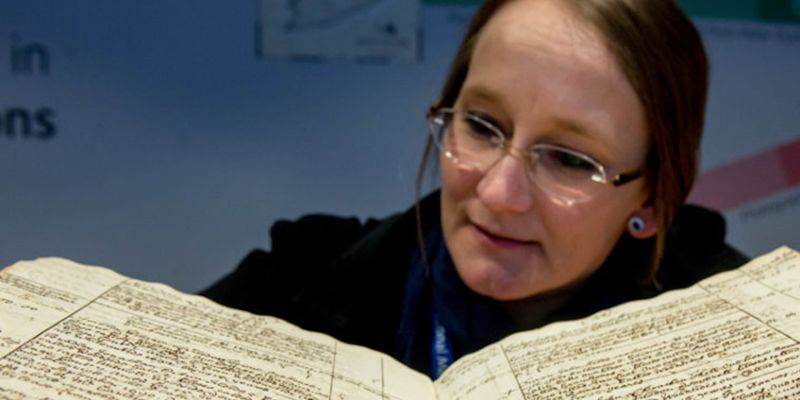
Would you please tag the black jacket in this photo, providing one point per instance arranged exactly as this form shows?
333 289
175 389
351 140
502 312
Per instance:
347 278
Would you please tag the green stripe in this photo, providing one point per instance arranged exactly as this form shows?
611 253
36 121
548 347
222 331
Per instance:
757 10
780 10
739 9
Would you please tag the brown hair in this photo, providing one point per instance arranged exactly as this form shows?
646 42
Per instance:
662 55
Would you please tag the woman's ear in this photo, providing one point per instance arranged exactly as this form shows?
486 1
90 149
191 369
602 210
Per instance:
643 224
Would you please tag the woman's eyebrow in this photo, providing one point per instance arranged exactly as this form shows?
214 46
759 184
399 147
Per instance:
561 123
483 93
573 126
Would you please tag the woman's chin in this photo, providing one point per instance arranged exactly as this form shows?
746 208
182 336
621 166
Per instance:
497 285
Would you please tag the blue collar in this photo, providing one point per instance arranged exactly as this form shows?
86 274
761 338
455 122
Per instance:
442 318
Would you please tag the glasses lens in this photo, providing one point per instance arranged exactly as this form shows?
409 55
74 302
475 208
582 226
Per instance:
471 141
565 173
466 139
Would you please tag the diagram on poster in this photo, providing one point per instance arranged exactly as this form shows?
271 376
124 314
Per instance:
379 31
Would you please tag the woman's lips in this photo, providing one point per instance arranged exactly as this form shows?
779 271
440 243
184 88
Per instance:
498 240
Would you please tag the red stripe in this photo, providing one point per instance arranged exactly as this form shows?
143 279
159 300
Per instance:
789 155
749 179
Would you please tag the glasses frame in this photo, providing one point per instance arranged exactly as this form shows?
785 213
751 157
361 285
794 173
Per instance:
440 118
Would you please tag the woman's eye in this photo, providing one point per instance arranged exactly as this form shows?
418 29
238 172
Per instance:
479 128
571 160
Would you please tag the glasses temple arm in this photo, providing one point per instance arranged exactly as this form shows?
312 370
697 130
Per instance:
624 178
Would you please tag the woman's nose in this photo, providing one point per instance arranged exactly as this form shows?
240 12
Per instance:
505 187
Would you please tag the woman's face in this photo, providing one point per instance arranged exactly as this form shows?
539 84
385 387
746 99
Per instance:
542 76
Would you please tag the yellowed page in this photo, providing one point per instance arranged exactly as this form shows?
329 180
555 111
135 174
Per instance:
70 331
34 298
733 335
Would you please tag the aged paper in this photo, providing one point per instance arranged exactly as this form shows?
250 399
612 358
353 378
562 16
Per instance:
734 335
70 331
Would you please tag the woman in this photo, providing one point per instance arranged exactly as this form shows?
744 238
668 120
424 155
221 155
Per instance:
568 134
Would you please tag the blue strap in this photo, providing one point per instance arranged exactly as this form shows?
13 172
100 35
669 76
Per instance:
441 346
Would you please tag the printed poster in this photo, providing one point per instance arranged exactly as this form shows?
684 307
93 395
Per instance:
372 31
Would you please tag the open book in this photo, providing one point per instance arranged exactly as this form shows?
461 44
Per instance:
72 331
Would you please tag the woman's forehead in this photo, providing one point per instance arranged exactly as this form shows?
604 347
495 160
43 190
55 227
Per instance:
535 61
546 27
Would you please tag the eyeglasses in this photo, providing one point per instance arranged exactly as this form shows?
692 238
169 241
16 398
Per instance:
566 175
